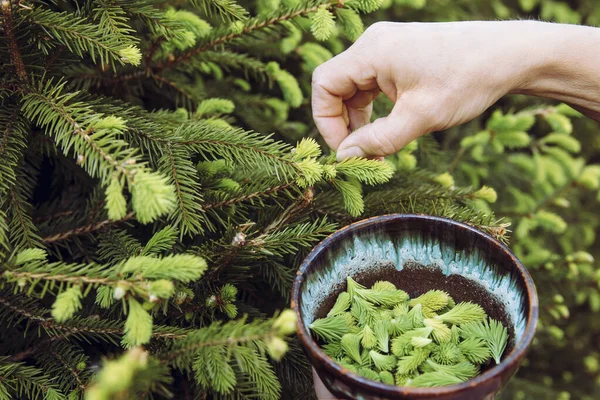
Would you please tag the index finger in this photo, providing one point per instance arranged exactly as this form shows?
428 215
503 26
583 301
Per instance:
333 82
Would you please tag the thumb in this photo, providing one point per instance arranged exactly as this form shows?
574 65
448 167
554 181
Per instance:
382 137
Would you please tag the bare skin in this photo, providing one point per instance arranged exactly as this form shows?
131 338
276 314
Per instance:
440 75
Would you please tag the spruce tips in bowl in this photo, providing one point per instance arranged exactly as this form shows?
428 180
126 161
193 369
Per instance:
386 273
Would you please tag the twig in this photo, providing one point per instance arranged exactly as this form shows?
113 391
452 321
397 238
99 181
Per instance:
217 142
241 199
69 368
222 342
13 46
8 130
456 159
85 134
25 354
173 85
48 276
83 230
285 216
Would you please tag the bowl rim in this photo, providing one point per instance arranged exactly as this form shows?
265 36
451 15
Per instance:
515 355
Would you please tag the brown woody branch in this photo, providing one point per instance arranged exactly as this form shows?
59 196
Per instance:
13 46
281 219
251 196
83 230
172 84
73 372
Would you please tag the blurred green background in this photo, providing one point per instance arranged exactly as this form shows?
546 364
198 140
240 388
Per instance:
563 362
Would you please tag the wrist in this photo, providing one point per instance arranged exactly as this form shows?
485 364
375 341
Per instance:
560 62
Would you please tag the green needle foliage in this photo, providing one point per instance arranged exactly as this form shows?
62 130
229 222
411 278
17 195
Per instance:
381 330
351 346
491 331
368 340
476 350
432 379
330 328
382 362
434 300
462 313
433 352
153 211
342 304
158 157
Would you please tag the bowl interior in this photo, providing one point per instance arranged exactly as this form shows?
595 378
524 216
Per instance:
416 279
418 254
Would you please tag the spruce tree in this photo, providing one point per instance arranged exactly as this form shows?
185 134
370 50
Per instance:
160 183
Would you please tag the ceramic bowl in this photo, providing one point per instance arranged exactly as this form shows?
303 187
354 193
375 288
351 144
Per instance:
417 253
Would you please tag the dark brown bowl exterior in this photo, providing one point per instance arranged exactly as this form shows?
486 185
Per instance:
347 385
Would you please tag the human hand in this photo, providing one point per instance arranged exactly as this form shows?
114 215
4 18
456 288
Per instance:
438 75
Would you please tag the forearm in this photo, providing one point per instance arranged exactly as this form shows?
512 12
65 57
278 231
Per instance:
563 64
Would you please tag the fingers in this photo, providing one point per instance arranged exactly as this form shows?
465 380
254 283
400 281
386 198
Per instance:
333 82
320 389
360 108
383 137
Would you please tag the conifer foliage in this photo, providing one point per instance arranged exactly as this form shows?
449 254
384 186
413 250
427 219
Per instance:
159 184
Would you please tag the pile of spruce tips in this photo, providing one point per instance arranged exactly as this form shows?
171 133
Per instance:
428 341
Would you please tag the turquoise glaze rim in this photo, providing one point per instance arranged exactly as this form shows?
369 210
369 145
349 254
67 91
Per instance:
522 342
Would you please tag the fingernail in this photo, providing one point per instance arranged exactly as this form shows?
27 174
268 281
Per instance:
353 151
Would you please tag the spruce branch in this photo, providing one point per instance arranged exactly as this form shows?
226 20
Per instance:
266 193
69 368
249 26
178 88
176 164
23 233
261 240
74 279
148 278
229 60
81 328
246 149
86 229
50 107
111 18
233 333
15 225
229 10
9 29
28 380
82 38
149 14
